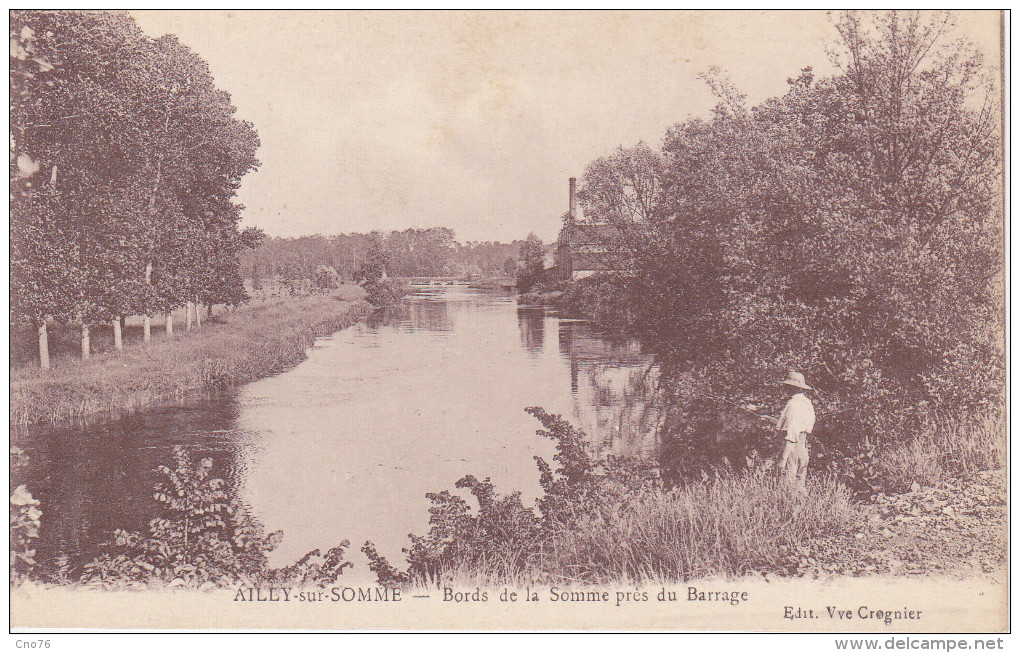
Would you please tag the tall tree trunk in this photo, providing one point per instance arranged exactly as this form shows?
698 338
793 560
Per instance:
198 315
44 346
86 349
170 324
208 310
147 322
117 341
190 308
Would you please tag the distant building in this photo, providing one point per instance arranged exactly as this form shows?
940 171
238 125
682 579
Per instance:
586 248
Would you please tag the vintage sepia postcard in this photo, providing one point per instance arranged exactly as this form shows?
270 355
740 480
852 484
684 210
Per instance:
509 321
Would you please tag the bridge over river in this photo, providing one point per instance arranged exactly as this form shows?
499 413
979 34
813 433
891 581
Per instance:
500 283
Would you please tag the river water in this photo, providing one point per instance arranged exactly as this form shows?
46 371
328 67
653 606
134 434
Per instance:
346 444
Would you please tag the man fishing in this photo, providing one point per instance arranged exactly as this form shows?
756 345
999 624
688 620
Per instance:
796 421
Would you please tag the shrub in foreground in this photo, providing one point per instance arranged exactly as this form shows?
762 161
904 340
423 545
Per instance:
202 539
25 522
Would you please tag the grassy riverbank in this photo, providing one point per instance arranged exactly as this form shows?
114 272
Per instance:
939 508
728 526
232 348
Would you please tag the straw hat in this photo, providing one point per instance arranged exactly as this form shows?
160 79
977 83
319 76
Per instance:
796 379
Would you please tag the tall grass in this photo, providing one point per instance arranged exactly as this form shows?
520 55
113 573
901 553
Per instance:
729 525
944 448
247 344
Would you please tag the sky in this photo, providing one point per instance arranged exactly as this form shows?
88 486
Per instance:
472 120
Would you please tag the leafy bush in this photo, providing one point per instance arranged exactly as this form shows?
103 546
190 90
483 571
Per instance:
202 540
603 299
386 574
501 536
26 520
385 292
326 277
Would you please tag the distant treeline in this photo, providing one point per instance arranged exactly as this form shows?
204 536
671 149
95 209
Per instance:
407 253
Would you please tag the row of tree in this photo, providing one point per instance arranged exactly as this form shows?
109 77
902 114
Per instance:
125 160
409 253
850 229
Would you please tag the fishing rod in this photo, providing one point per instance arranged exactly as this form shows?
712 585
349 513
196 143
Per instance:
773 420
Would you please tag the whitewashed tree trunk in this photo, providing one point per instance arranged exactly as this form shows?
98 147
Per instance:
118 342
170 324
86 348
190 321
44 346
147 322
198 316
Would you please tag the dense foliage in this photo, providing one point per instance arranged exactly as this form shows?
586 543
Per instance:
125 158
532 263
850 229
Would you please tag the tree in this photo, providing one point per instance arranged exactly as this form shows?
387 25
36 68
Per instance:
848 229
625 188
376 261
870 235
532 263
200 154
326 278
143 157
409 253
71 83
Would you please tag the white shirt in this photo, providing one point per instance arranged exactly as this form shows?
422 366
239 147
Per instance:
798 417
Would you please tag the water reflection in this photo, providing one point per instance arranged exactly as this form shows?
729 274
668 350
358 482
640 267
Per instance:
429 311
93 480
531 324
614 385
347 444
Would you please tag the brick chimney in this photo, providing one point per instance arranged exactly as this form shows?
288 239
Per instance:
573 200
